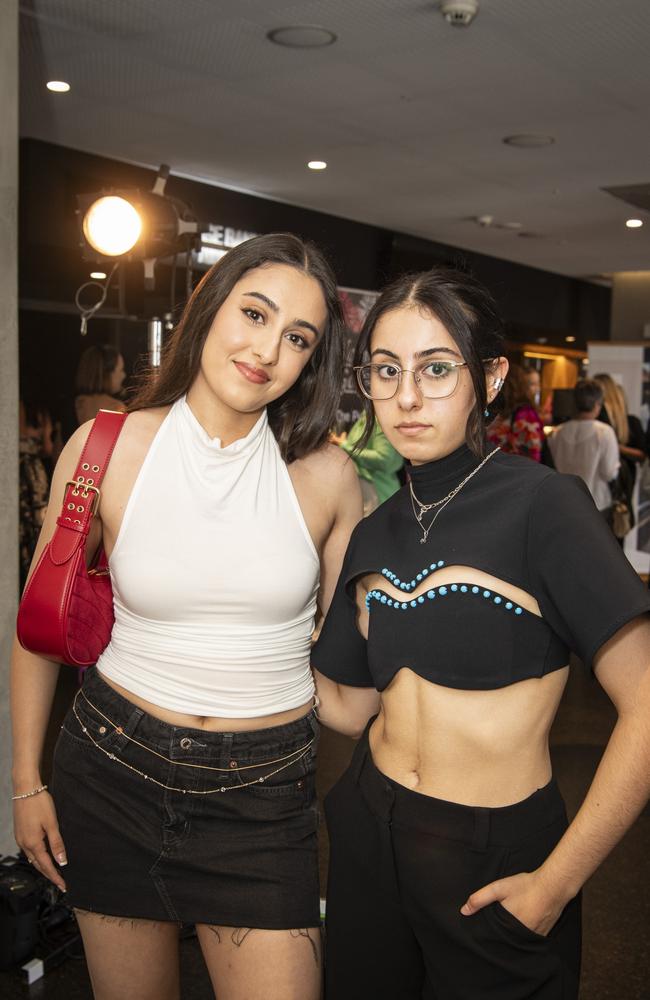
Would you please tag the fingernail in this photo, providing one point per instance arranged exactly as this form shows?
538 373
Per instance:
465 910
61 858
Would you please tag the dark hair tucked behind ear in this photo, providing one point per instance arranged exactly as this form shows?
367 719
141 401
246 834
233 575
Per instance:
467 311
301 419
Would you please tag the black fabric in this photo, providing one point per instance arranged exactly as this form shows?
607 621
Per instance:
401 866
516 520
245 857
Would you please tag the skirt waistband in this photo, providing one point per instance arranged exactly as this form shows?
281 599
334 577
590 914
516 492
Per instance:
131 718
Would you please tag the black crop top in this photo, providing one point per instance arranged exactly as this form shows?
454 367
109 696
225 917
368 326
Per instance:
515 520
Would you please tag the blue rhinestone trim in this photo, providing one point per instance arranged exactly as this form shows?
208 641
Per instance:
460 588
408 586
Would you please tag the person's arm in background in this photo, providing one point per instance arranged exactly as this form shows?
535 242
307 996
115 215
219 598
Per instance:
635 449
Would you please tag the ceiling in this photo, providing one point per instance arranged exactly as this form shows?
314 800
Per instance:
408 111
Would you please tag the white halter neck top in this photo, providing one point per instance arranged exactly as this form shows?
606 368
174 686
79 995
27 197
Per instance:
215 577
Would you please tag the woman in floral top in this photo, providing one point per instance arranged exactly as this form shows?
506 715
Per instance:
518 428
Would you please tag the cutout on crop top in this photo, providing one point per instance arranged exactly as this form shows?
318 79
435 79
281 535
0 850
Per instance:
437 579
439 632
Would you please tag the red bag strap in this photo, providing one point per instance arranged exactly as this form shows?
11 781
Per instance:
82 493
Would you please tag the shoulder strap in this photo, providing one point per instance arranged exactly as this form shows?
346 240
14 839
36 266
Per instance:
82 493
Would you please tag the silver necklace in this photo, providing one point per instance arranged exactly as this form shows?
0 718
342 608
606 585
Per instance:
439 505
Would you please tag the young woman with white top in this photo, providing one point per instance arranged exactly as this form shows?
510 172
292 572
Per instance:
183 784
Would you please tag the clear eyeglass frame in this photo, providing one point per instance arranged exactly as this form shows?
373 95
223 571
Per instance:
435 390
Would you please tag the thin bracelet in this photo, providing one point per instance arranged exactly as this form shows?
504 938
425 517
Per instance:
28 795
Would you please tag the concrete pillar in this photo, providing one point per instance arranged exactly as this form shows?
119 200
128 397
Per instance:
8 389
631 306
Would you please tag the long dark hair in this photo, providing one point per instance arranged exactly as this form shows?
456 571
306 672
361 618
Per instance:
467 311
300 419
96 364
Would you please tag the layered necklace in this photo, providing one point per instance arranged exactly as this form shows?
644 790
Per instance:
420 510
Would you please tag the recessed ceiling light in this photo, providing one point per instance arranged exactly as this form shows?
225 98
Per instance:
528 140
58 86
634 223
570 340
317 165
302 36
97 275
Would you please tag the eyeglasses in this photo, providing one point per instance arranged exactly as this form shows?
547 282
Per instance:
434 379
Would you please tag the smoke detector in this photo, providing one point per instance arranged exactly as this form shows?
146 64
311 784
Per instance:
460 13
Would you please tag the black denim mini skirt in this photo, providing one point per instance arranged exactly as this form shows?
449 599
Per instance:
169 823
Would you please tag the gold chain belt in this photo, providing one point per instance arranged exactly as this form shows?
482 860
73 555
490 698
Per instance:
295 755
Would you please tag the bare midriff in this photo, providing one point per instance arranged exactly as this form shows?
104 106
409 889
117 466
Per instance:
212 724
478 748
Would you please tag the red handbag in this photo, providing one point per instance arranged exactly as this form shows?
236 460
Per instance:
66 612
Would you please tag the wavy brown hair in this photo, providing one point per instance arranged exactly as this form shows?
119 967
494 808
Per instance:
467 311
300 419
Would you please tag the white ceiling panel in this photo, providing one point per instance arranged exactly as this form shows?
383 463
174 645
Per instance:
408 111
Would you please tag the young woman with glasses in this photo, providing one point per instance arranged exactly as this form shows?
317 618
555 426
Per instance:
453 871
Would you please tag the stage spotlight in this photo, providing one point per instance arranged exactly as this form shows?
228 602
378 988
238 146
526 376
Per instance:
131 225
112 226
137 224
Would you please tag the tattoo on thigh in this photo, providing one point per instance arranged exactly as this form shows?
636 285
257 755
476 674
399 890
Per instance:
133 922
239 935
303 932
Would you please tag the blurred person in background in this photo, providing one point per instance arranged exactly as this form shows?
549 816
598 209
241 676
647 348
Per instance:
99 380
586 446
628 429
35 450
377 463
518 428
534 381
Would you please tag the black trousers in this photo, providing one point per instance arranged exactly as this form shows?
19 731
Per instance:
401 866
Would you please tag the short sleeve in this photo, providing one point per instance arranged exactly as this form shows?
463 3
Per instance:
341 651
585 586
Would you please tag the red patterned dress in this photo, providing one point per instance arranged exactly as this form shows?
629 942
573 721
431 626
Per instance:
520 434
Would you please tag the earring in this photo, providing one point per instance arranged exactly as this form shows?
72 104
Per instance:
486 412
498 382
